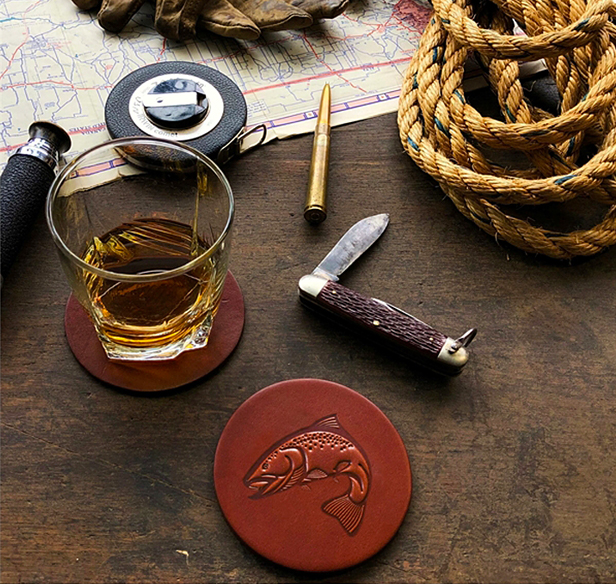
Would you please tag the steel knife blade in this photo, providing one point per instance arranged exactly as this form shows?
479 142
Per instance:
352 245
392 327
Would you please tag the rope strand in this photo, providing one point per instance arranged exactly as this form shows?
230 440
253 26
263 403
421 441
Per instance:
448 138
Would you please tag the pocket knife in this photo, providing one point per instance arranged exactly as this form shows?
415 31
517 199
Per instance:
388 325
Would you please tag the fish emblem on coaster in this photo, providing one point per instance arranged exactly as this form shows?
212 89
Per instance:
323 450
312 461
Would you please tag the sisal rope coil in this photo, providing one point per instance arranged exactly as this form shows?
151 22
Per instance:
450 140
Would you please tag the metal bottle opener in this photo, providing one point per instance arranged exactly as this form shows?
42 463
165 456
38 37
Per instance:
387 324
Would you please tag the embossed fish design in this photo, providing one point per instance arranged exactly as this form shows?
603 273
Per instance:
319 451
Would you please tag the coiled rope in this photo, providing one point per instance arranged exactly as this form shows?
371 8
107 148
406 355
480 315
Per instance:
450 140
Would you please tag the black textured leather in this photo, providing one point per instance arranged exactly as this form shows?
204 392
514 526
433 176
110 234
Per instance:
23 188
120 124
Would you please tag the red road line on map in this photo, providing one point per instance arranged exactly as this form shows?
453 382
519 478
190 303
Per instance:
57 83
14 55
162 50
241 50
33 6
255 90
7 148
22 44
328 74
81 131
278 122
337 73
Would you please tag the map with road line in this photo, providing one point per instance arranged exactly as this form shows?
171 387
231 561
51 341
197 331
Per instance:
57 64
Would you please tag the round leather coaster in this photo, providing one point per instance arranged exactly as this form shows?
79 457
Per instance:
158 375
312 475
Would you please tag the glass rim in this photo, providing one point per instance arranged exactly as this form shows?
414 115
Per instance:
54 189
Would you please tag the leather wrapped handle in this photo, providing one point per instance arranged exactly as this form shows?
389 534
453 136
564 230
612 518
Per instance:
23 187
398 331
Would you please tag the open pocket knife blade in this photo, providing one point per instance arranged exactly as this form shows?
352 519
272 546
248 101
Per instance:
390 326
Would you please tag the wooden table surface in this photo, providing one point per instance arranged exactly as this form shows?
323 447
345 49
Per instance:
513 461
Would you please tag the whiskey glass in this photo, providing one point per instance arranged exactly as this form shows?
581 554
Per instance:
143 230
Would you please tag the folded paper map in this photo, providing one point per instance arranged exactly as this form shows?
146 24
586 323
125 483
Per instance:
57 64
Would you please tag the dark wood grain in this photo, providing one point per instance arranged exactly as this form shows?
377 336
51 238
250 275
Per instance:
513 461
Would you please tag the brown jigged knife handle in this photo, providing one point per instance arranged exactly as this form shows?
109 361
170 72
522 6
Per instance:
389 326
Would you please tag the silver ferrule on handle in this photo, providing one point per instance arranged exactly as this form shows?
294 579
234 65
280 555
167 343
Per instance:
43 150
48 142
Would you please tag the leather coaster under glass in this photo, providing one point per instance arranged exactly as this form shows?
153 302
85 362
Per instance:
312 475
151 376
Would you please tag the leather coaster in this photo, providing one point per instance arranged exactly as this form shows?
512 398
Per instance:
153 376
312 475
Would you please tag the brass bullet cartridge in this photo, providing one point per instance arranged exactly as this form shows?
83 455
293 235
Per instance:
315 209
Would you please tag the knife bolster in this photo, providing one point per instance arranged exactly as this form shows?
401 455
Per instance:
451 356
311 285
